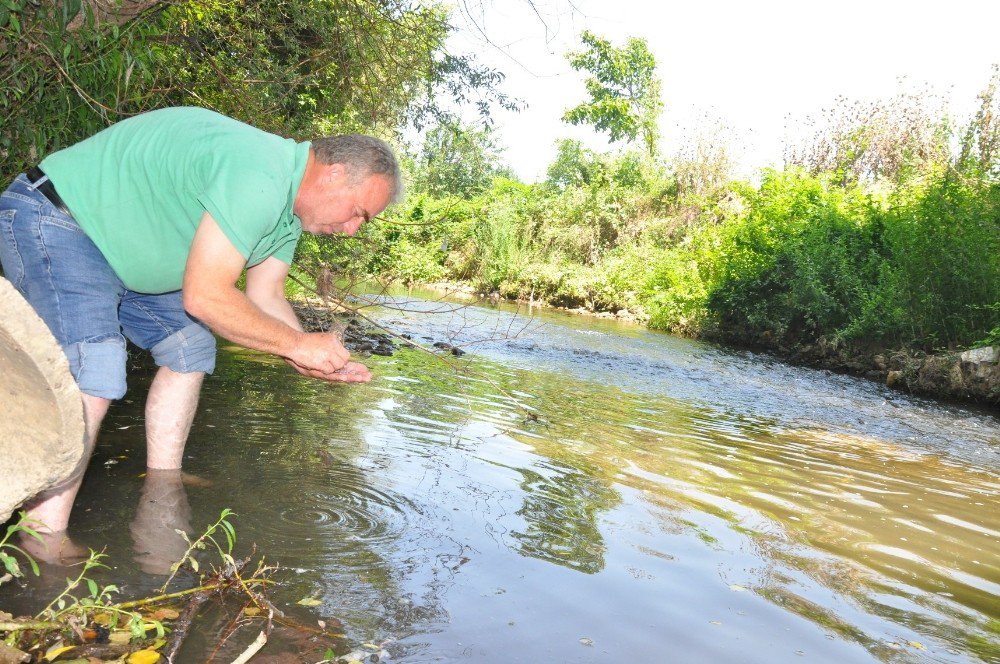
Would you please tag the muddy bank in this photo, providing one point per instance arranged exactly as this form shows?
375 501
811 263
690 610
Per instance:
971 375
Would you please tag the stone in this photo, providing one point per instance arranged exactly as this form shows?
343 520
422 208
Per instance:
894 378
9 655
986 354
41 431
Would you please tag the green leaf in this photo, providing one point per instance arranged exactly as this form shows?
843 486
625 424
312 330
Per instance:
10 563
309 601
230 534
92 585
70 9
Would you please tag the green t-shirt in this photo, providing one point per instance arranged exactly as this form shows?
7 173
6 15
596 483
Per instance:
140 187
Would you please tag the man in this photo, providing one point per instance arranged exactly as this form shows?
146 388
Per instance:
144 230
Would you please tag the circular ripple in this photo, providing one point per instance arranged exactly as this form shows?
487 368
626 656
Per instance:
329 514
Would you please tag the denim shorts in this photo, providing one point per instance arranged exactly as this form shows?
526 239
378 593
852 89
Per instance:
55 266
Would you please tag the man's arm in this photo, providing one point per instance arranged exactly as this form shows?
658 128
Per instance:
265 287
210 294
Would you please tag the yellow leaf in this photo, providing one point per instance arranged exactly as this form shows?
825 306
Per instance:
144 657
166 614
55 651
120 637
309 601
917 645
251 611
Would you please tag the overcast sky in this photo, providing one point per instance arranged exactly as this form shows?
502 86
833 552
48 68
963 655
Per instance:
752 64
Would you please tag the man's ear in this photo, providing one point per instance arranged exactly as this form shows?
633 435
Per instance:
335 173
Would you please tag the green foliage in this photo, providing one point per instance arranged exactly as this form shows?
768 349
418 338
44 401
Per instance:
940 284
623 87
209 537
811 259
457 160
300 68
8 548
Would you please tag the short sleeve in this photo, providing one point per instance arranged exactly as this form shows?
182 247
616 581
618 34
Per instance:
246 206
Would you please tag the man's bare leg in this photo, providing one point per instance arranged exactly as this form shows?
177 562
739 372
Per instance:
170 408
50 509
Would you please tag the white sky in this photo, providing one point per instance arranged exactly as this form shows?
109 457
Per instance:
750 63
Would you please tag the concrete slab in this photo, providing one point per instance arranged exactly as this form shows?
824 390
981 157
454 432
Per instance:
41 414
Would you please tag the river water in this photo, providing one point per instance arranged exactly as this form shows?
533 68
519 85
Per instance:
576 490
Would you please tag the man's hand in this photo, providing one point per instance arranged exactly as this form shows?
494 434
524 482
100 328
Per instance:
351 372
321 355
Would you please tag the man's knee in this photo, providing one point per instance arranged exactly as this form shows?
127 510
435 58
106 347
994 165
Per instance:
99 366
187 350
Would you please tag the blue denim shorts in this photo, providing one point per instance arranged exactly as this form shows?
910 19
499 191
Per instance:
55 266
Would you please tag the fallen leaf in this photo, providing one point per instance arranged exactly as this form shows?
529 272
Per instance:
917 645
56 650
251 611
143 657
166 614
309 601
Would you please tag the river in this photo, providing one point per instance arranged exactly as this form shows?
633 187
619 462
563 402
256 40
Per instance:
576 490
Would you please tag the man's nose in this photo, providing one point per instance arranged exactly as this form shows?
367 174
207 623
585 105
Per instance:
353 225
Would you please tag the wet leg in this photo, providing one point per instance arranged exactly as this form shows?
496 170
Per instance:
51 508
170 408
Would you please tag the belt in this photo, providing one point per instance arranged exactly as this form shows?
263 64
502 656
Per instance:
47 189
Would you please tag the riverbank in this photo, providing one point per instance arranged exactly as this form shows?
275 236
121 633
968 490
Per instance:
971 376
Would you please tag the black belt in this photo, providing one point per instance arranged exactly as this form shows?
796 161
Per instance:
47 188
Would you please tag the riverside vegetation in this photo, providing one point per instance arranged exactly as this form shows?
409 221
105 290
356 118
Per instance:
880 233
880 236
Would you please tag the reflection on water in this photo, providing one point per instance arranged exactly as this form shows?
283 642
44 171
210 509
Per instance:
670 502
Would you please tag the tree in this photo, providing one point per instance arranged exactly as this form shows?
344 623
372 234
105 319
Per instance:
457 160
624 90
574 165
300 68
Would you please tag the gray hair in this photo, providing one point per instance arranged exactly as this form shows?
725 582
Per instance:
363 156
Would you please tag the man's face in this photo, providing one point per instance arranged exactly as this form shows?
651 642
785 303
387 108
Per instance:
333 203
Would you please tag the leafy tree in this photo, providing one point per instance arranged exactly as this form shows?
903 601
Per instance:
296 67
458 160
623 87
574 165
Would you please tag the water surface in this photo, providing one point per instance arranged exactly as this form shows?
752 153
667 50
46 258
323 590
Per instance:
575 490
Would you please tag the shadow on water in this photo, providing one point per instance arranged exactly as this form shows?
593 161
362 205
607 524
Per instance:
665 501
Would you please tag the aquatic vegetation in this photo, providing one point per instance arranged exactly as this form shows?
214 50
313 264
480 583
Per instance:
85 619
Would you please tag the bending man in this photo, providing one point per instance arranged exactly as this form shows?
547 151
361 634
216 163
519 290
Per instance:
143 230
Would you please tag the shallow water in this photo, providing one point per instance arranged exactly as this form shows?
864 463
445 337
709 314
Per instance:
585 491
